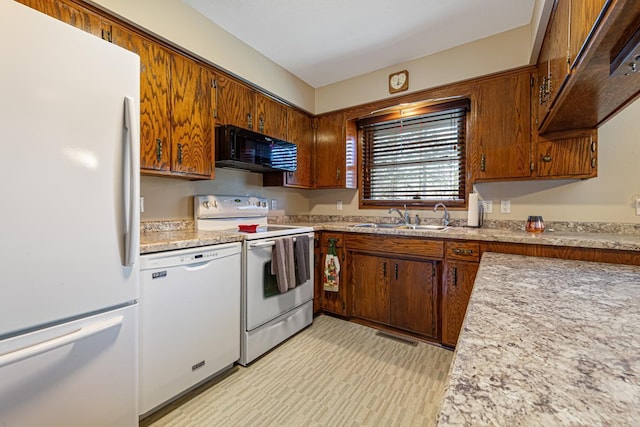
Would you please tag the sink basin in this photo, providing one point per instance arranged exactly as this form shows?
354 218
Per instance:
403 226
431 227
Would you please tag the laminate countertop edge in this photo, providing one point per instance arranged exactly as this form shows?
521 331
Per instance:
547 342
157 241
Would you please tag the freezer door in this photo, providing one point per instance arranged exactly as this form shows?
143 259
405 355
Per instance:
69 180
81 373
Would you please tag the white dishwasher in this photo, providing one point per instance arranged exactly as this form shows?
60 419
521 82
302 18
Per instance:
189 319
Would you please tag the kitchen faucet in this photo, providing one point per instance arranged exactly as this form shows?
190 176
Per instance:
445 218
405 216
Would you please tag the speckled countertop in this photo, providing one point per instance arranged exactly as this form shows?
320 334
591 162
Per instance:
158 241
547 342
185 237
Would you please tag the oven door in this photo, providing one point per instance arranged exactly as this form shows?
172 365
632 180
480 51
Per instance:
262 302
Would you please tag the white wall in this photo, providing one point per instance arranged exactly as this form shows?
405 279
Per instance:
171 198
503 51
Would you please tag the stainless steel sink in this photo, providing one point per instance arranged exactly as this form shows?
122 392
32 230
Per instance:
432 227
403 226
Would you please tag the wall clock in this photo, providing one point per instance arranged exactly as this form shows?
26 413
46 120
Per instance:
398 81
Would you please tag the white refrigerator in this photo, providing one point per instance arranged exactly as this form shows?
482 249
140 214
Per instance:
69 225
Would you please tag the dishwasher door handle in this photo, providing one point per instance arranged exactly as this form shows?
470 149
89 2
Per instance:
264 244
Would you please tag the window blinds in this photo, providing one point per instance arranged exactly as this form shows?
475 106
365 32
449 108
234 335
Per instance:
420 158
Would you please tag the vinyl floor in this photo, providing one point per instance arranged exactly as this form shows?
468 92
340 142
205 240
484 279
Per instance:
334 373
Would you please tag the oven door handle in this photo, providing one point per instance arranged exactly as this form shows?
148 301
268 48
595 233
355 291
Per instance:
262 244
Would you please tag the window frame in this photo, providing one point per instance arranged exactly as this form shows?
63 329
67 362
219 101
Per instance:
396 115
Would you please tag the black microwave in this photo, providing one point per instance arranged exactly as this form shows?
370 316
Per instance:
243 149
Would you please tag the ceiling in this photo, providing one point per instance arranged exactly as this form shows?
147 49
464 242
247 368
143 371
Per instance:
326 41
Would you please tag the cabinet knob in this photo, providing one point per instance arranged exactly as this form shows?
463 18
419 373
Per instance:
546 158
249 121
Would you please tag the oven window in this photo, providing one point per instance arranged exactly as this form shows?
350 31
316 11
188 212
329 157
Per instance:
269 281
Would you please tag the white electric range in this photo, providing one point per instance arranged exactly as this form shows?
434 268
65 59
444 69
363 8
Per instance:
268 317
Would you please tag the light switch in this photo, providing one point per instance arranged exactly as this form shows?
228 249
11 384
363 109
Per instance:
339 205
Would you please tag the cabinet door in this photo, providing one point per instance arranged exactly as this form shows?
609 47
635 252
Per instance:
584 14
502 127
334 302
271 117
191 117
558 39
301 133
155 153
330 151
460 276
235 103
318 292
74 15
370 286
570 154
413 296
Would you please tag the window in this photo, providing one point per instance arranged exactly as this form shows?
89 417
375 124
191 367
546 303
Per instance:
417 160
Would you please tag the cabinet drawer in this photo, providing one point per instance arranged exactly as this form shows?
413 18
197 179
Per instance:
326 236
463 251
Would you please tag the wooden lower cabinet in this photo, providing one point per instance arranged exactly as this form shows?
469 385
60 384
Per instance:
330 301
460 268
399 289
395 292
456 290
421 286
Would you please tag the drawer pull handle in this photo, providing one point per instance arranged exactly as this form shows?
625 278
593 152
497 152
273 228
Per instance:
455 276
458 251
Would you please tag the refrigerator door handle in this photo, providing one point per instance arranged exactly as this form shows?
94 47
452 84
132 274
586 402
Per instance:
129 171
62 340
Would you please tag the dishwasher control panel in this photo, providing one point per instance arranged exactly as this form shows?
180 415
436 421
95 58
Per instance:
188 256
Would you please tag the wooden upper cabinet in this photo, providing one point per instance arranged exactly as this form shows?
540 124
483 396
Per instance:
235 103
335 152
74 15
155 144
570 154
501 136
558 39
584 14
191 117
272 117
300 132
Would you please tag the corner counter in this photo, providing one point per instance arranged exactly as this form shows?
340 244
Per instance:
547 342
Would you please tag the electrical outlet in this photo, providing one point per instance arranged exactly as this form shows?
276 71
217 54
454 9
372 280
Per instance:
487 205
638 206
505 206
141 204
274 204
339 205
